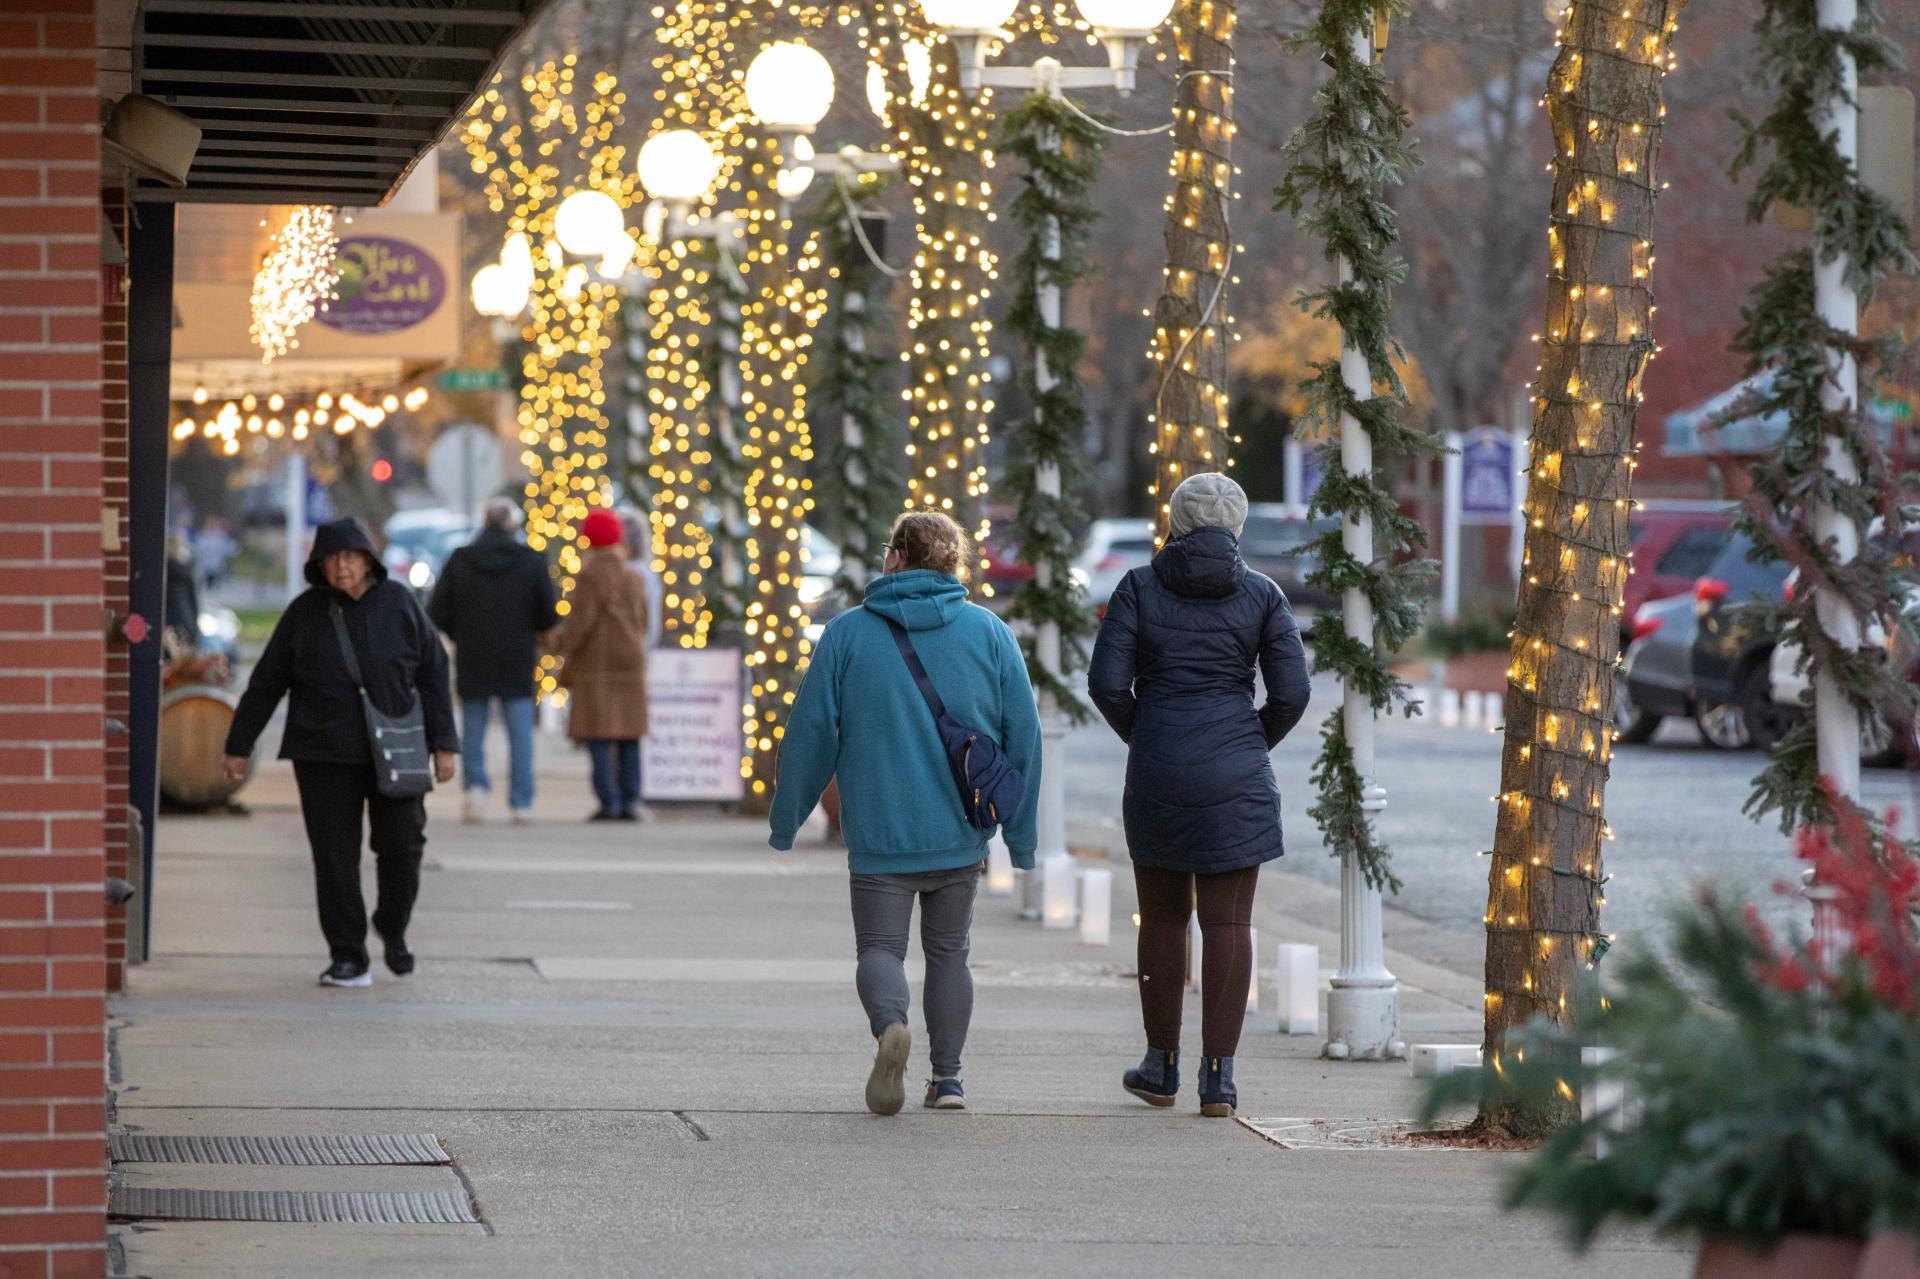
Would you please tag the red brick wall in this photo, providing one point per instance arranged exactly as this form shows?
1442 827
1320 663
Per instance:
52 651
113 491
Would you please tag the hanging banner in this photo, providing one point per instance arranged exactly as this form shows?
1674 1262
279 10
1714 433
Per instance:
1486 478
693 709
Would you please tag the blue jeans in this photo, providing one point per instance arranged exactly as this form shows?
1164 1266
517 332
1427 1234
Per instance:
517 712
616 774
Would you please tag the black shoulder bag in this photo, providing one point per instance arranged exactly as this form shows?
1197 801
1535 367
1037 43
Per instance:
402 764
991 788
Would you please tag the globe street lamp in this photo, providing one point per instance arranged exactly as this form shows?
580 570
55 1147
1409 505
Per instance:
974 25
588 223
789 87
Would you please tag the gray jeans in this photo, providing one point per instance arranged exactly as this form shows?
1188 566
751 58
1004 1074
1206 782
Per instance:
882 914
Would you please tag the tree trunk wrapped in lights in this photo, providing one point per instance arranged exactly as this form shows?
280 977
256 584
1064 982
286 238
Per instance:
1544 887
942 136
525 139
1345 158
1061 152
775 442
1190 322
861 483
1829 473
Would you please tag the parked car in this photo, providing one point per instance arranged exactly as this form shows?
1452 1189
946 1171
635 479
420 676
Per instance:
823 560
1656 675
1881 744
1004 572
1674 544
1732 653
1275 542
419 541
1113 548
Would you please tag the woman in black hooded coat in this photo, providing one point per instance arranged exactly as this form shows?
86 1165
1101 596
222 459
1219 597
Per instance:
1173 674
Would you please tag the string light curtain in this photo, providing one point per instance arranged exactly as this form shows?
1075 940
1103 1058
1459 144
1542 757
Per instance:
776 334
296 281
1191 321
943 138
1344 160
1783 337
537 140
1545 882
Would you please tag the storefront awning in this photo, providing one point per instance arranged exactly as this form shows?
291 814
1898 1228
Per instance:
317 101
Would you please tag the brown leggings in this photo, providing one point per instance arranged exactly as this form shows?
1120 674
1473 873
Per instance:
1167 900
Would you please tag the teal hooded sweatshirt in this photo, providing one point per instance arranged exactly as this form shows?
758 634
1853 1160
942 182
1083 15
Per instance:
860 717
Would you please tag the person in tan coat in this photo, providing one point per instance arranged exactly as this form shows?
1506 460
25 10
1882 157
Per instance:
603 644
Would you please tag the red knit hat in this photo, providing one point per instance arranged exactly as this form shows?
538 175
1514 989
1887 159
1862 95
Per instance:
601 527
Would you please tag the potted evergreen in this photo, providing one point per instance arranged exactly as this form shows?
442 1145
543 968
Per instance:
1772 1086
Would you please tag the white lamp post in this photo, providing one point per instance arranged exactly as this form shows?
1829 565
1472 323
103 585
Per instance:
973 25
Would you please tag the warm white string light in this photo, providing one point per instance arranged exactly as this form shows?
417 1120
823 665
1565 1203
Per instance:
296 281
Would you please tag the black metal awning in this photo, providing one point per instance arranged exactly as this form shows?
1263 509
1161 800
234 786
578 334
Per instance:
317 101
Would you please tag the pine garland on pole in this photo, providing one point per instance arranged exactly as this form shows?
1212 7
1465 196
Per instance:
861 485
1828 478
1346 156
1060 151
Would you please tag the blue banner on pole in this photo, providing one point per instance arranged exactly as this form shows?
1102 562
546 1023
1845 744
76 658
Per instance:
1486 478
319 503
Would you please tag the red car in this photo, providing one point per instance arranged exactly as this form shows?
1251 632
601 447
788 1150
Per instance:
1674 542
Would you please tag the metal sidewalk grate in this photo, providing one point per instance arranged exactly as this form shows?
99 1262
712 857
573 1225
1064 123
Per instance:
359 1207
299 1151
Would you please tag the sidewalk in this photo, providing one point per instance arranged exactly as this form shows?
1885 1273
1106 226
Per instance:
642 1050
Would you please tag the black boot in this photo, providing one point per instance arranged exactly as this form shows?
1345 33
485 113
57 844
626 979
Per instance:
1156 1080
1217 1095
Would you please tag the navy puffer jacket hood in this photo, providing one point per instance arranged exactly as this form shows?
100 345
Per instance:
1173 674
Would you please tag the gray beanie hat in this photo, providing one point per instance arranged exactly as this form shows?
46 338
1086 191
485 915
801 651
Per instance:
1208 500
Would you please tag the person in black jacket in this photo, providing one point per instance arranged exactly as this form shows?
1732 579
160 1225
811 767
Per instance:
494 600
1172 672
401 657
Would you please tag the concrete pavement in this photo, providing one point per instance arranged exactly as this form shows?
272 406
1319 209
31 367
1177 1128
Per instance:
642 1048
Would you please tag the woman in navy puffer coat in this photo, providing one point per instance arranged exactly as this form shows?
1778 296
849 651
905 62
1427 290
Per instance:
1173 674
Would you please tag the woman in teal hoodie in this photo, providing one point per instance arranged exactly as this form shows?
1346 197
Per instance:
860 717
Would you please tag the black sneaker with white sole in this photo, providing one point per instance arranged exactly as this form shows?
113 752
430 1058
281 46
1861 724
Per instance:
343 973
399 958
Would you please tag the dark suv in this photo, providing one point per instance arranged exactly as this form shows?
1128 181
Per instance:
1732 694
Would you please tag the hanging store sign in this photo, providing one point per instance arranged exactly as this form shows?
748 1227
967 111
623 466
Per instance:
386 285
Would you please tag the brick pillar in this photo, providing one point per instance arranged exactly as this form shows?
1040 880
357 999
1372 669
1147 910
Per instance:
52 650
113 515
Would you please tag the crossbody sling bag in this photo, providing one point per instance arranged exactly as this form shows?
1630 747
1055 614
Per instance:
402 764
991 788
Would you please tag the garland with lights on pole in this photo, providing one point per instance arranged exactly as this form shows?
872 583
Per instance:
1829 475
1060 151
861 485
1545 883
1343 161
1191 320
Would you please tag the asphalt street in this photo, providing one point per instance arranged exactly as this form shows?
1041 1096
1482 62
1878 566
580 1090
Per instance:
1674 804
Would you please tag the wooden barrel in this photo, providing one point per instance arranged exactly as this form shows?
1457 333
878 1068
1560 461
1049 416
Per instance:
194 719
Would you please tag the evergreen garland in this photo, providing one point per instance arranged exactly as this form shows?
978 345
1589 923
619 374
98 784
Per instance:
1782 334
862 487
1060 151
1343 160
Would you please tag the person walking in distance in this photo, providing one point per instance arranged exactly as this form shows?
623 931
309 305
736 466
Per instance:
604 647
494 599
353 637
1172 672
862 716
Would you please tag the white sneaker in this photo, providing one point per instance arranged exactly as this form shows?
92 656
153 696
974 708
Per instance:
472 807
521 817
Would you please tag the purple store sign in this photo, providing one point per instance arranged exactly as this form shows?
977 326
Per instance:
385 285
